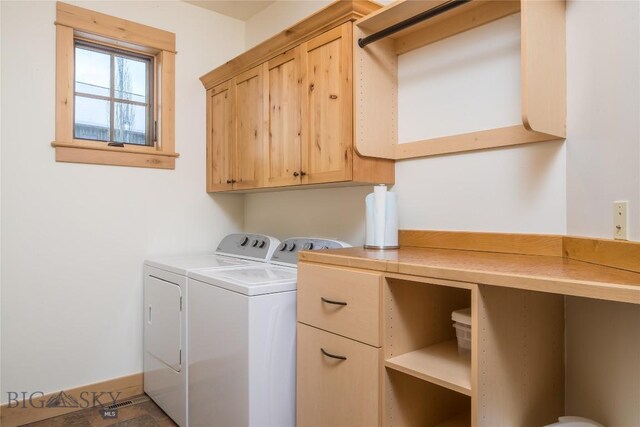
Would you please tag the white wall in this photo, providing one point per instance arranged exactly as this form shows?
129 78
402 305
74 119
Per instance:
603 144
75 236
518 189
278 16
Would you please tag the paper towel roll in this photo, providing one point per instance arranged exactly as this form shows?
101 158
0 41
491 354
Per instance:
369 228
381 219
391 221
379 214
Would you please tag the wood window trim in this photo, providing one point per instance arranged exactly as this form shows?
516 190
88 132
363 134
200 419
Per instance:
74 22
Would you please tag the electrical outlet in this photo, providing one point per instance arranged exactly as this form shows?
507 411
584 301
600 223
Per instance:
621 220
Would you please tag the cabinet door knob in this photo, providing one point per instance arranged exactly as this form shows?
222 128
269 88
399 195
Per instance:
228 181
296 174
233 181
333 356
302 173
328 301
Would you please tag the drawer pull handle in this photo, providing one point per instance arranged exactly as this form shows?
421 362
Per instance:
333 356
328 301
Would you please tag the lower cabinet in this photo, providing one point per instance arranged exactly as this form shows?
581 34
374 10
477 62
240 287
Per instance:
338 380
340 359
379 349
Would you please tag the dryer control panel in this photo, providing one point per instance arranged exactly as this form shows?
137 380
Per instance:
287 251
250 246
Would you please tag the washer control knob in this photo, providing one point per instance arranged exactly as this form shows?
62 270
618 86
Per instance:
308 246
292 247
254 243
244 241
282 247
261 244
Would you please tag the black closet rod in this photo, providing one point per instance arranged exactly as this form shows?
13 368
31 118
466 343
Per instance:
427 14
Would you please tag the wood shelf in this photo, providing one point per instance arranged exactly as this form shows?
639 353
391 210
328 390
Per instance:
543 75
439 364
461 420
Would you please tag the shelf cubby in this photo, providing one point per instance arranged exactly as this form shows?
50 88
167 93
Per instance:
413 402
427 381
517 339
418 313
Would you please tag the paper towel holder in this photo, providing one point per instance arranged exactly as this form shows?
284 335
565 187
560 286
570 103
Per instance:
387 237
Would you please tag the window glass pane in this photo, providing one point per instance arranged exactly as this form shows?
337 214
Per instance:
91 118
93 72
130 123
130 79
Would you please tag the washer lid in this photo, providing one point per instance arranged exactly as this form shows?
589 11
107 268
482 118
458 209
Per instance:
253 280
182 265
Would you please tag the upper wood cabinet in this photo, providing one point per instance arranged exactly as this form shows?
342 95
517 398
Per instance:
328 107
283 91
281 114
248 116
220 138
235 133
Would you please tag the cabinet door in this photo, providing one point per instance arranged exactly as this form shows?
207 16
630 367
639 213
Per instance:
328 107
336 392
220 121
249 128
283 118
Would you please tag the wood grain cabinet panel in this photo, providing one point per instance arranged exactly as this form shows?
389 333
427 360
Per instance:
248 127
328 109
284 126
220 120
342 301
332 391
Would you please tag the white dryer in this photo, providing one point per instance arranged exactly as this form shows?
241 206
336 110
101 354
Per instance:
165 315
242 341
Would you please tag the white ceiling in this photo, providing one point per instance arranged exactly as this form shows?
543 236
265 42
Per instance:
239 9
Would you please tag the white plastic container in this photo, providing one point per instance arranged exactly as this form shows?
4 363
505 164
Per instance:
575 422
462 323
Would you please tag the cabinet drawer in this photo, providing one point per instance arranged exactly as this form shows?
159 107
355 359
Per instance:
337 392
339 300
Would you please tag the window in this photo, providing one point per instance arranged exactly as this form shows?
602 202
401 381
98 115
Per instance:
114 91
113 95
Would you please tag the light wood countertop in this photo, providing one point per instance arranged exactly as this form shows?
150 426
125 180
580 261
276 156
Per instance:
532 272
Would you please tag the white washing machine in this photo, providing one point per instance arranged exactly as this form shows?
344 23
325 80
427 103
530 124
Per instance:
165 315
242 341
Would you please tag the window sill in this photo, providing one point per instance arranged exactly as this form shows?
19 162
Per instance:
100 154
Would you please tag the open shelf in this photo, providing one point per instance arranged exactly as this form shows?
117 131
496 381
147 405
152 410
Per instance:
543 75
440 364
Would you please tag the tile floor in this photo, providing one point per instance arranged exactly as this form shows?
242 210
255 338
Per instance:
145 414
